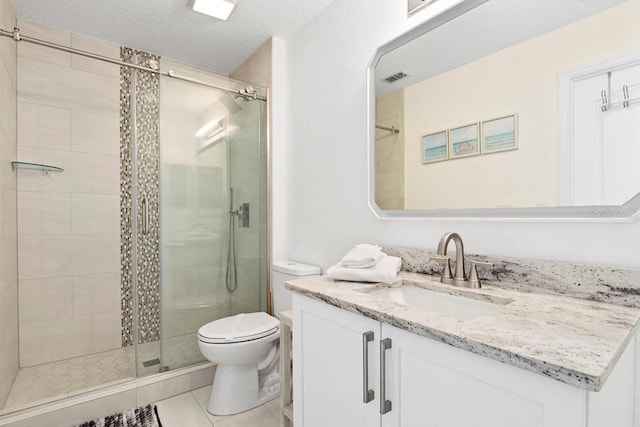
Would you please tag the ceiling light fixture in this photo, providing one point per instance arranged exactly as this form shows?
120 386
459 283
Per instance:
211 128
220 9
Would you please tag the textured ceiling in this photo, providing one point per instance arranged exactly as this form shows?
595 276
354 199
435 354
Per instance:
171 28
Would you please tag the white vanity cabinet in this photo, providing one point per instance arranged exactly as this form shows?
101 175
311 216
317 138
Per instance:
431 384
328 366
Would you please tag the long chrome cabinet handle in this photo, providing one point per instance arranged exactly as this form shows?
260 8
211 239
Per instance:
145 216
367 395
385 405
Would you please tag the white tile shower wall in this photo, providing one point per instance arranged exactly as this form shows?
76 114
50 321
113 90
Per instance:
99 47
53 131
8 215
68 228
41 53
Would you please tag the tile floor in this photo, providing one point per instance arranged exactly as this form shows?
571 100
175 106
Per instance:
43 383
58 379
189 409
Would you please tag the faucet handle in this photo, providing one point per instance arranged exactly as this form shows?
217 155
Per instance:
444 259
474 280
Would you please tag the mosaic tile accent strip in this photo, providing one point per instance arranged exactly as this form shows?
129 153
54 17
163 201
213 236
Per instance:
148 179
126 204
140 161
596 283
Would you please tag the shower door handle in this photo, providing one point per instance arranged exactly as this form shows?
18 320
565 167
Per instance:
145 216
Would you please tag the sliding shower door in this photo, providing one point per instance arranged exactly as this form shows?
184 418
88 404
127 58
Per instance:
212 210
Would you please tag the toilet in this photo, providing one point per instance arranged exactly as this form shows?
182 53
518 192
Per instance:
282 271
245 348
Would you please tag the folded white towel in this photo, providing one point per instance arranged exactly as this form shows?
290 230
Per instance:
362 256
384 271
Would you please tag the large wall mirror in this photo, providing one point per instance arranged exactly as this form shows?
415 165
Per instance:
510 109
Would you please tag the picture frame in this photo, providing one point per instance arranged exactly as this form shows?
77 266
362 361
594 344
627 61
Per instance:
464 141
500 134
435 147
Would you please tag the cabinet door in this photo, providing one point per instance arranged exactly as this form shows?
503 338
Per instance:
436 385
328 366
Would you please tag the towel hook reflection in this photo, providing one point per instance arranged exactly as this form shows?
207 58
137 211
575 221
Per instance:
605 103
625 96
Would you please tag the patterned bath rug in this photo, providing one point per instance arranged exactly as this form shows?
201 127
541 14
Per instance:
145 416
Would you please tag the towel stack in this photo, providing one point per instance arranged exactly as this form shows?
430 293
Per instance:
366 263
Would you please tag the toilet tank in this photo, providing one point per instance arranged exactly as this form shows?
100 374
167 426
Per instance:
280 273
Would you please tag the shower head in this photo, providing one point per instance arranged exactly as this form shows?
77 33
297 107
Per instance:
216 116
231 104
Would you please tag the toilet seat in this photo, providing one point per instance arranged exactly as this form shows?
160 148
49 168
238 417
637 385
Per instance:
240 328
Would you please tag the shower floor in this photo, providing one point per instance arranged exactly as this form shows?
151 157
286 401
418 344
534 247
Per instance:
43 383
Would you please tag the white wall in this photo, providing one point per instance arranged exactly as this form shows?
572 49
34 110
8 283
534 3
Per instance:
322 157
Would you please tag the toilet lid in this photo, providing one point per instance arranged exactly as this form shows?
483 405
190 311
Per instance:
238 328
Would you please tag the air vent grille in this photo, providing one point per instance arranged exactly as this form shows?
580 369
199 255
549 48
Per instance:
397 76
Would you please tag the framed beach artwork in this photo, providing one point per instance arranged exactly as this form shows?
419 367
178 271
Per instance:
464 141
500 134
434 147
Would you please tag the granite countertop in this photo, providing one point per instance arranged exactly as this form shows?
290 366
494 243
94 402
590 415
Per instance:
572 340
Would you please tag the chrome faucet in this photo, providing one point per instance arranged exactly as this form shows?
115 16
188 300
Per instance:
459 278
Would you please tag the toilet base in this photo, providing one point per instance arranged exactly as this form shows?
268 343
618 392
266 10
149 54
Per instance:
235 389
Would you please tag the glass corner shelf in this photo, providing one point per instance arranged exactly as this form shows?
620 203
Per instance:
46 169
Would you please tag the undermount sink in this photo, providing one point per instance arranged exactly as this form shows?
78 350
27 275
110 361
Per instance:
433 301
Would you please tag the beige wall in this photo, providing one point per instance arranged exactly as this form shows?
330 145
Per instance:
389 153
69 223
523 80
257 68
8 252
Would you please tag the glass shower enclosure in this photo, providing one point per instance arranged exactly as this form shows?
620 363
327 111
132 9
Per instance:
152 224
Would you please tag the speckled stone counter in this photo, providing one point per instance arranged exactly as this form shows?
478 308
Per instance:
576 341
593 282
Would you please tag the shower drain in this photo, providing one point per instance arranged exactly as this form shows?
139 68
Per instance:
151 362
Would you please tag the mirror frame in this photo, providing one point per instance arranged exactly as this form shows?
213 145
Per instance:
626 213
